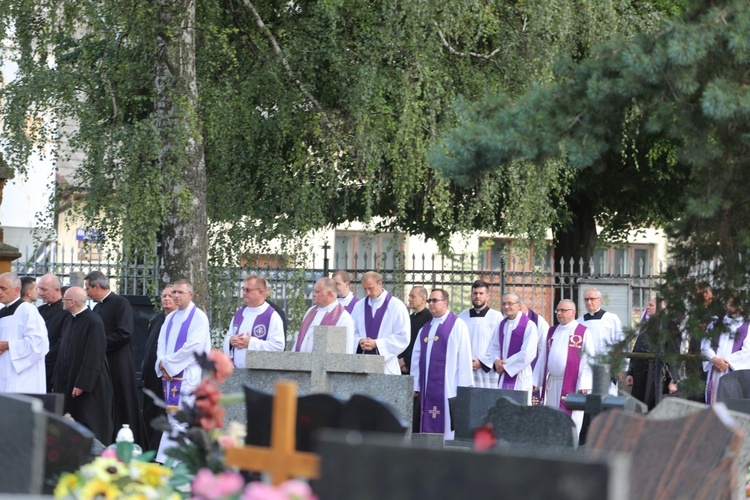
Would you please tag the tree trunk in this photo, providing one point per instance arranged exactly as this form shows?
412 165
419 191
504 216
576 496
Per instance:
578 239
185 230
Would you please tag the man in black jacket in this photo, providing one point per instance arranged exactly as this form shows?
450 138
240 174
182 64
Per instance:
54 315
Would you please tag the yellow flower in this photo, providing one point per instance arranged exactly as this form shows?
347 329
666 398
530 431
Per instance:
106 469
98 488
66 485
150 474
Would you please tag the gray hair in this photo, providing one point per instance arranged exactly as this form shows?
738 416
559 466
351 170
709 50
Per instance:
13 278
97 278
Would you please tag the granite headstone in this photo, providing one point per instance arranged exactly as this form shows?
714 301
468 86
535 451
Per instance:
531 426
693 457
734 385
472 403
23 430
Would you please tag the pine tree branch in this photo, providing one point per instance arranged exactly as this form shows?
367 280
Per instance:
285 63
462 54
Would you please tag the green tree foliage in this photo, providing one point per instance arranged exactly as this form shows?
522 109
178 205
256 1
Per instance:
311 112
675 100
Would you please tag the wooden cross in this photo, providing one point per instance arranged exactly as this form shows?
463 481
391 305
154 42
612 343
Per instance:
281 461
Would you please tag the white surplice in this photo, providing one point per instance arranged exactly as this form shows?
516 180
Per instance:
605 332
481 331
558 359
519 364
395 330
739 360
275 339
22 367
458 370
345 320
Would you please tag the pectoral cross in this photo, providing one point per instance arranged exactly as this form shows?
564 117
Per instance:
434 412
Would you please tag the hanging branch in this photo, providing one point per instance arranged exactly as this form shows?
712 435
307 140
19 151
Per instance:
285 63
462 54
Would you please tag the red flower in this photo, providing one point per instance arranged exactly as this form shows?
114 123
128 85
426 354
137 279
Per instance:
210 414
484 438
222 364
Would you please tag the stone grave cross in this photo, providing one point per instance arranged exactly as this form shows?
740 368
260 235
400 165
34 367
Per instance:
328 356
280 461
599 398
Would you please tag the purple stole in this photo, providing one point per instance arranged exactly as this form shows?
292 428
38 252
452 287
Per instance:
372 324
432 417
572 365
739 339
172 387
260 325
329 319
516 341
350 306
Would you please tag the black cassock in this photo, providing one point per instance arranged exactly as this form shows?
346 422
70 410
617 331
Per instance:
153 382
117 316
82 363
54 315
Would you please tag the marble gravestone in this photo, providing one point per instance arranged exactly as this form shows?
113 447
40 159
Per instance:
693 457
675 408
531 426
472 403
328 369
361 467
734 385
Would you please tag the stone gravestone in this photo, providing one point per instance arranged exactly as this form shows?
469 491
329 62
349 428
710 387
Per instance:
22 434
531 426
318 411
362 467
68 448
38 446
326 370
472 403
734 385
693 457
52 402
675 408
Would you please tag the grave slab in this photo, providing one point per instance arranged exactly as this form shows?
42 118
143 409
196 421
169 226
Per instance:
693 457
531 426
734 385
403 472
472 403
23 428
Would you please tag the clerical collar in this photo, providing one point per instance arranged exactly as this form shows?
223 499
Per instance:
105 297
415 312
473 313
376 303
79 312
439 319
258 309
329 307
187 308
13 303
597 315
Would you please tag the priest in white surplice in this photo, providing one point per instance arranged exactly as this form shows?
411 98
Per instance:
563 366
605 328
327 311
344 295
381 323
23 341
482 322
731 353
513 347
256 326
441 361
184 334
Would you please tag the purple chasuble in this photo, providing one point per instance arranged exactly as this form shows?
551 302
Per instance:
572 364
739 338
329 319
372 324
172 387
432 389
350 306
516 342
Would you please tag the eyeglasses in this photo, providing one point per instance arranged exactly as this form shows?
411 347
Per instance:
248 290
179 292
589 299
563 310
432 301
509 303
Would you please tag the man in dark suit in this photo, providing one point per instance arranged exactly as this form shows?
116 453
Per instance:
54 316
117 316
82 373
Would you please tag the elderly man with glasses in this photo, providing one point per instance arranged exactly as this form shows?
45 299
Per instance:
605 327
563 365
